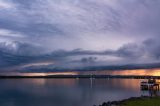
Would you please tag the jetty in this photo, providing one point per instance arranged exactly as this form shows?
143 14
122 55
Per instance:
151 84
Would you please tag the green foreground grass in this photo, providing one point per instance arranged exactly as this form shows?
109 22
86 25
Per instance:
155 101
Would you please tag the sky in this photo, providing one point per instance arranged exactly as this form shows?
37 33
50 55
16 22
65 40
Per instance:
78 33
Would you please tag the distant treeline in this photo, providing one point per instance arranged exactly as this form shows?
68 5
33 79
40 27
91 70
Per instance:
84 76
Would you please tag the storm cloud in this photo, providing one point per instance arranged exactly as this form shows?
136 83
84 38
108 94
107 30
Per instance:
80 32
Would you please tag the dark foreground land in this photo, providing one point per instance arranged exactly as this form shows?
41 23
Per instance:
135 101
83 76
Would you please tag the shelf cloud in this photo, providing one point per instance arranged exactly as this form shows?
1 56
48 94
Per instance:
80 32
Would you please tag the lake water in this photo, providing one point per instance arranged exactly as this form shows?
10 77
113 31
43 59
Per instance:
66 92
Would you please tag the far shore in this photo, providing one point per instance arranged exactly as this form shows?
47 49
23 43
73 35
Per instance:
81 76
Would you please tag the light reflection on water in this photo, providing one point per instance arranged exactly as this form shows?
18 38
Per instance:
66 92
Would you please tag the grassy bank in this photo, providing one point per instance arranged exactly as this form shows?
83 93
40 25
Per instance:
135 101
155 101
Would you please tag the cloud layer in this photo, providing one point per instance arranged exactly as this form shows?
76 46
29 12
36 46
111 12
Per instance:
78 32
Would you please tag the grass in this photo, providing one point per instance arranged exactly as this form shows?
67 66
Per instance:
155 101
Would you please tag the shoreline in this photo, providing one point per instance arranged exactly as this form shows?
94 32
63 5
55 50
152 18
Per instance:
124 101
81 76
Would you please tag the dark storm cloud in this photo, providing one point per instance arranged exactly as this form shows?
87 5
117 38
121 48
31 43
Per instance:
23 54
152 46
112 31
130 53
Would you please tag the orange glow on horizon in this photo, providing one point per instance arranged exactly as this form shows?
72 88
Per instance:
147 72
39 74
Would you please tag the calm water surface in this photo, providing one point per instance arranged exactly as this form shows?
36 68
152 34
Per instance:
66 92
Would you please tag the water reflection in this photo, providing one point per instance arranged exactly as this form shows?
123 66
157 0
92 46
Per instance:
66 92
151 93
150 87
